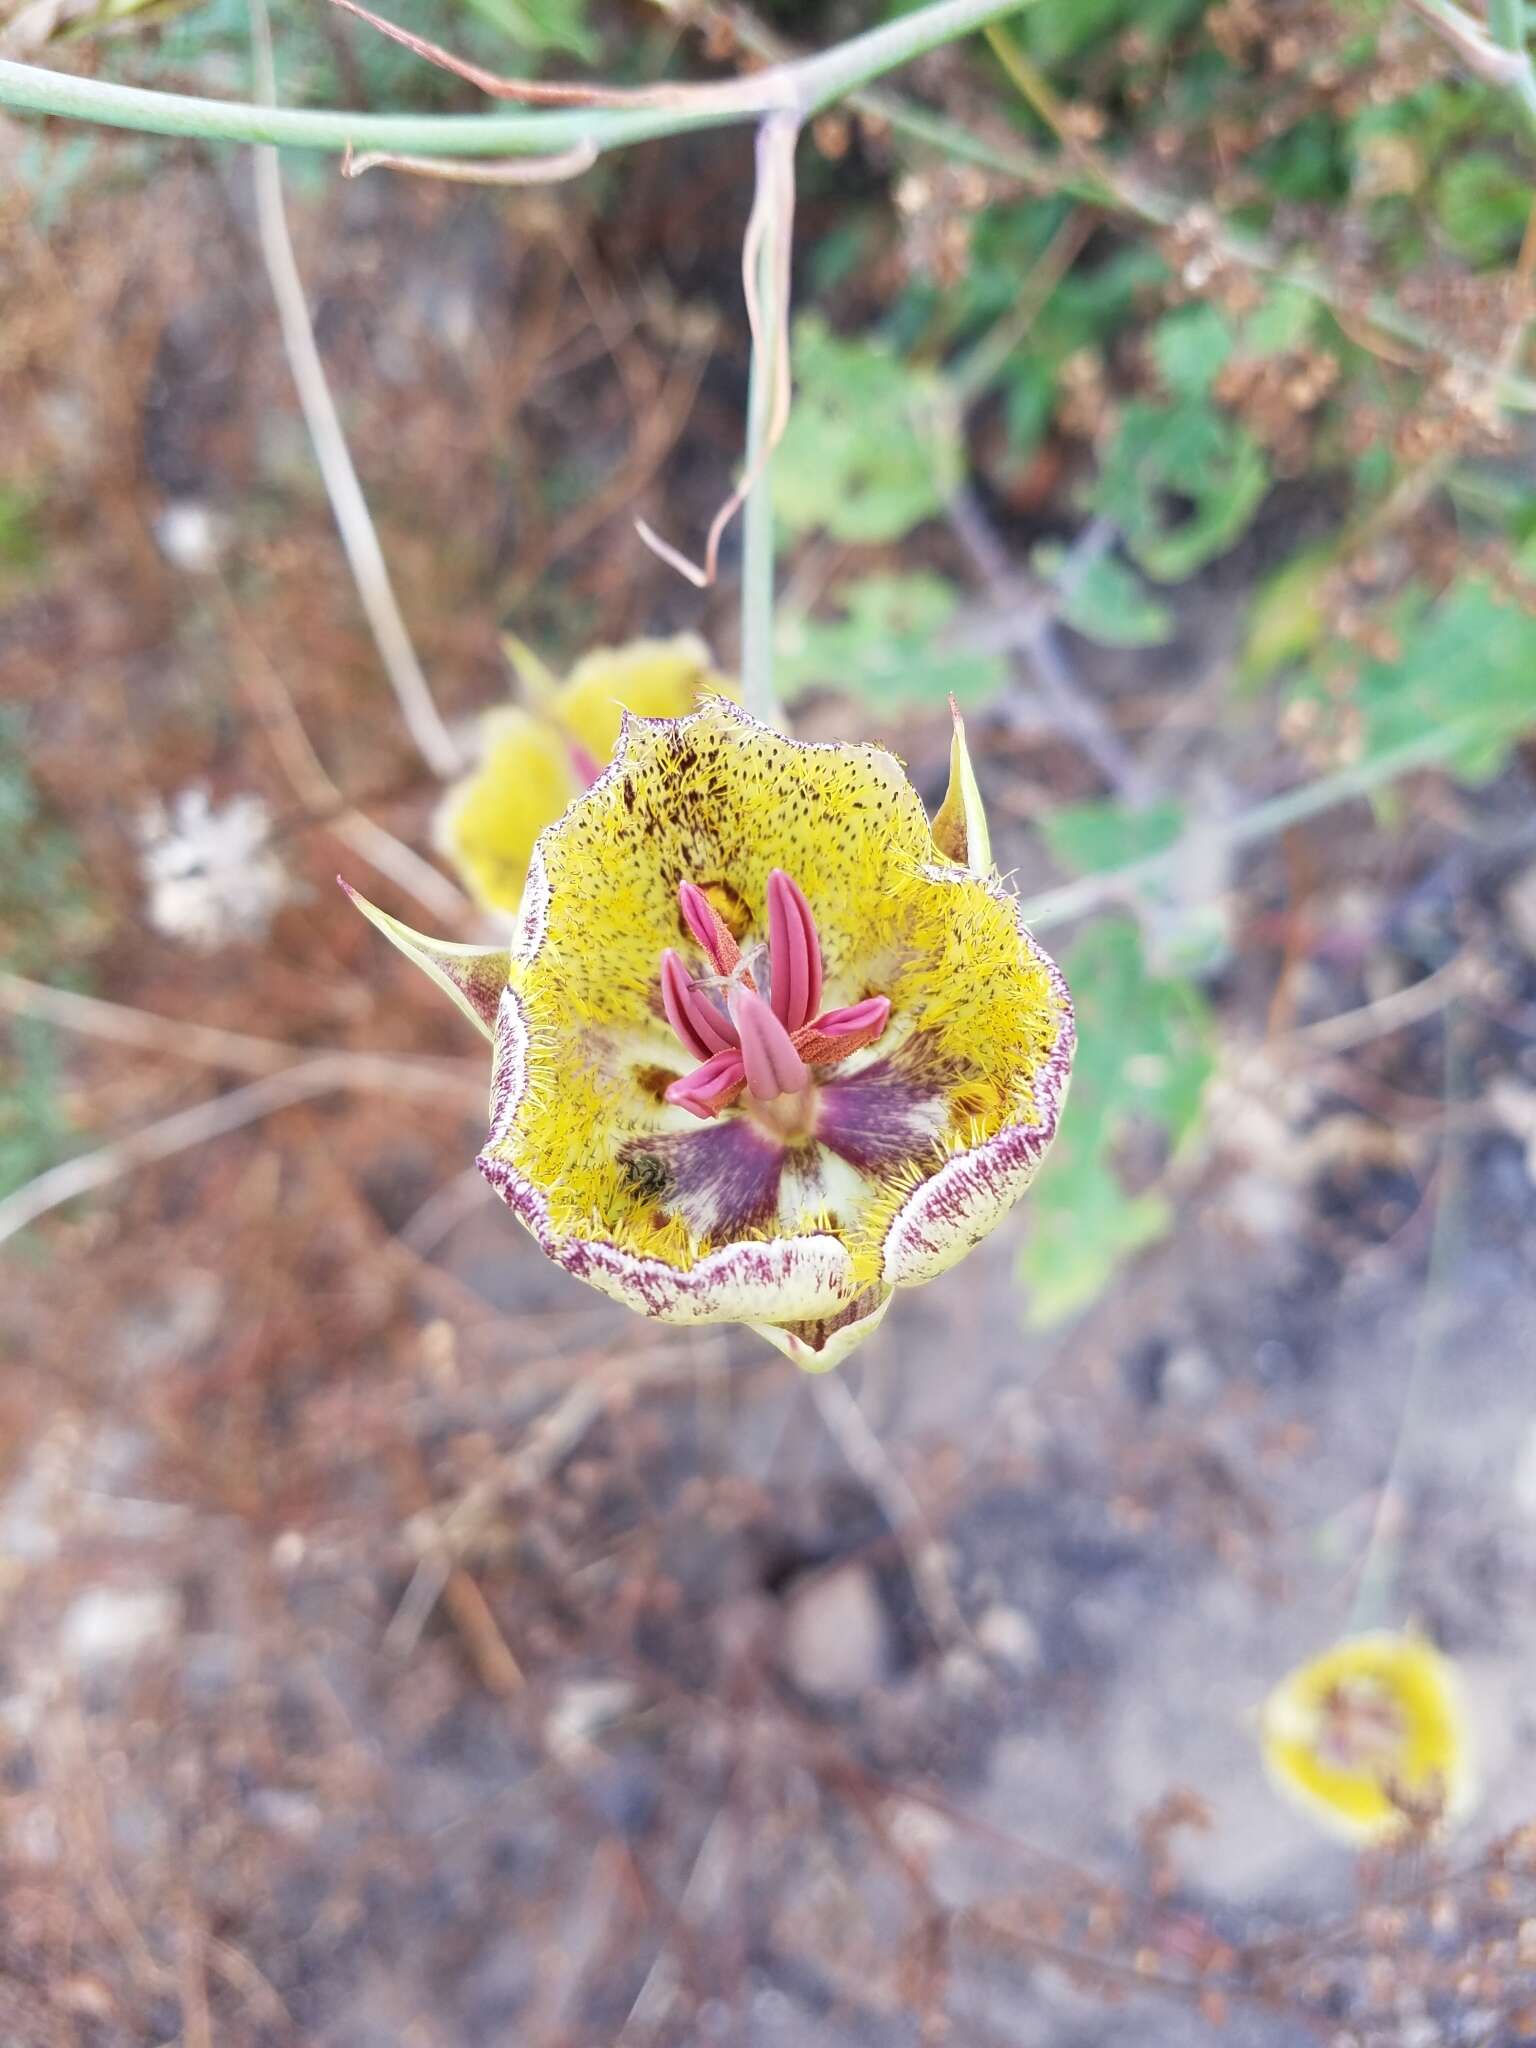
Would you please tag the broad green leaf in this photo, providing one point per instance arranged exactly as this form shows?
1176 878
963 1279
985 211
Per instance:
1144 1056
1467 663
21 543
1181 482
872 446
1482 202
1285 618
1029 398
1190 347
1092 837
1284 321
1104 601
887 645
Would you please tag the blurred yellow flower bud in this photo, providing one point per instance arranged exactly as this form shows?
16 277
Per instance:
533 758
1371 1737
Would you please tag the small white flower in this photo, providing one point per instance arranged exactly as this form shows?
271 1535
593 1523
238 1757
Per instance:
212 877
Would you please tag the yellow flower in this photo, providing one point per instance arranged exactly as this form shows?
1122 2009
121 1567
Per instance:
765 1050
534 758
1371 1736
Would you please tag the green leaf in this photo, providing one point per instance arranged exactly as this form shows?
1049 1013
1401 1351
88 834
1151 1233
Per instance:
34 1131
1181 482
1104 600
21 544
886 645
1092 837
1190 347
1283 322
1029 398
872 445
1468 660
1482 203
1285 618
1144 1057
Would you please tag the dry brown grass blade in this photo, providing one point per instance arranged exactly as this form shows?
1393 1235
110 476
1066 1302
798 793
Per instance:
458 170
299 1082
769 240
530 92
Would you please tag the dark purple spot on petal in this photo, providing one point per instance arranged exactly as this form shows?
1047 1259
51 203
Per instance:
722 1181
882 1118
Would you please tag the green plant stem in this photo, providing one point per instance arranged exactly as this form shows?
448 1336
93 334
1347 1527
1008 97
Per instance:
1494 49
767 407
1506 23
801 88
1091 892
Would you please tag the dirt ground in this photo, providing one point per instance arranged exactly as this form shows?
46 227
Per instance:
403 1648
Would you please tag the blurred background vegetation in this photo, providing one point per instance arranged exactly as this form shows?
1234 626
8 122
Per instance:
1163 391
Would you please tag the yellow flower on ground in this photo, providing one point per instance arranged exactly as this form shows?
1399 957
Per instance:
1371 1737
534 758
765 1048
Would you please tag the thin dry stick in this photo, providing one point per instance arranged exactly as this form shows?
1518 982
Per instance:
1395 1012
237 1051
188 1127
848 1426
310 778
1029 627
359 538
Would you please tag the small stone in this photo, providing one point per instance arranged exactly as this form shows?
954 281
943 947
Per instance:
1003 1632
285 1813
1523 1481
963 1674
582 1709
108 1625
191 536
1190 1376
837 1637
1520 908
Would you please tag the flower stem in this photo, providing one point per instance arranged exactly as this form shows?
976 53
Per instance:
767 405
801 88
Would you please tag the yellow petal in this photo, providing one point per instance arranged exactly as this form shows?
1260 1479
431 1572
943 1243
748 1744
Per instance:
1372 1729
960 823
487 824
652 678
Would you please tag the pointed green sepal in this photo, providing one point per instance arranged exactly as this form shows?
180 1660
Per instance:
540 684
473 975
960 824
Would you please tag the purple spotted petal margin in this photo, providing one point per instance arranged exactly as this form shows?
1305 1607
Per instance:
953 1210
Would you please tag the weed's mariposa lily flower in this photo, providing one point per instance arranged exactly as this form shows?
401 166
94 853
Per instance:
1371 1737
532 758
768 1045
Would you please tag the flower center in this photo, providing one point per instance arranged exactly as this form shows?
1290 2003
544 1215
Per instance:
1362 1727
752 1021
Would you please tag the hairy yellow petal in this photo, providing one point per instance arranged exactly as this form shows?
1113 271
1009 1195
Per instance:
488 823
